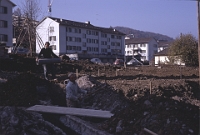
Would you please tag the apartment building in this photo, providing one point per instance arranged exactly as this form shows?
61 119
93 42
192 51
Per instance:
83 38
145 48
6 28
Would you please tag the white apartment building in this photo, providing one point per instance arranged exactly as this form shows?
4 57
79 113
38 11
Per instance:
144 47
6 27
69 37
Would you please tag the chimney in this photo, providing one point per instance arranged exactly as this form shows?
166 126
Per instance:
88 22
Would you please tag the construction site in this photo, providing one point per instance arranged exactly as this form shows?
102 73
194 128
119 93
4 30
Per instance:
139 100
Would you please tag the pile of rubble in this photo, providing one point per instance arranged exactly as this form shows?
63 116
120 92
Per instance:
17 121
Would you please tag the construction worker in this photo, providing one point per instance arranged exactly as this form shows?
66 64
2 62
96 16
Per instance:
73 92
47 52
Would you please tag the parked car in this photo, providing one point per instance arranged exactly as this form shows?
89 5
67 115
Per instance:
133 62
96 60
118 62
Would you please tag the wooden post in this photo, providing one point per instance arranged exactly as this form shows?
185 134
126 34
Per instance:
77 73
198 12
105 78
150 87
180 72
98 72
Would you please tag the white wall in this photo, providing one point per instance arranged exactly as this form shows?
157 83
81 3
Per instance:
161 59
43 29
165 60
150 49
62 39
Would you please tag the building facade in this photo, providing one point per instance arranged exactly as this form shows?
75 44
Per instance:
85 39
145 48
162 58
6 27
163 44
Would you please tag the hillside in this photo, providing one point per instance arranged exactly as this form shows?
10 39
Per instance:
142 34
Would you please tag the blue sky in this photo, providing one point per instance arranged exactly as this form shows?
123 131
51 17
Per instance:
167 17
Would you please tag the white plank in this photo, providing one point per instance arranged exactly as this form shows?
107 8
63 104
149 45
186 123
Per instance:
71 111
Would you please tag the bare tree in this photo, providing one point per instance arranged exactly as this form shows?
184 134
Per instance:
29 12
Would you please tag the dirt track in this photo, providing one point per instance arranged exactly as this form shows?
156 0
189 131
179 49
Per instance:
164 100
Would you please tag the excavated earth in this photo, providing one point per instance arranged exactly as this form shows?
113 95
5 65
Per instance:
145 100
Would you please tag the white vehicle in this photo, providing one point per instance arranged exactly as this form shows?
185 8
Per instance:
96 61
134 62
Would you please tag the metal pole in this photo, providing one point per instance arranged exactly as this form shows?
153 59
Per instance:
198 12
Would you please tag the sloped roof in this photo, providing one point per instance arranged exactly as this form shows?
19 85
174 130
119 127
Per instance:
138 40
162 53
86 25
13 4
164 43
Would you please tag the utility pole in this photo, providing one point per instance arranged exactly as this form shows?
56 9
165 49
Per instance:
198 12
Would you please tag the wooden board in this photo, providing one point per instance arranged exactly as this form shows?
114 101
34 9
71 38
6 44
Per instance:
71 111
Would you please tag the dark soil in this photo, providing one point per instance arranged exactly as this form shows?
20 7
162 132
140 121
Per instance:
164 100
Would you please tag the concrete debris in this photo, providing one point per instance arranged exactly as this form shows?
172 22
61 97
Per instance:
17 121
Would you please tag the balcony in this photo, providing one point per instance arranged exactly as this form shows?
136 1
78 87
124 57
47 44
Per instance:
136 48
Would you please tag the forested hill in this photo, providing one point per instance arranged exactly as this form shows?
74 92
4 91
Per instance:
142 34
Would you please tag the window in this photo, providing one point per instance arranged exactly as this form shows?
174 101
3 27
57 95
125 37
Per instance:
51 29
84 35
78 48
53 47
103 35
96 41
70 29
143 45
3 10
3 24
112 36
103 50
88 32
74 47
103 43
3 37
118 37
84 44
93 32
143 51
117 44
88 48
52 38
77 39
76 30
69 38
